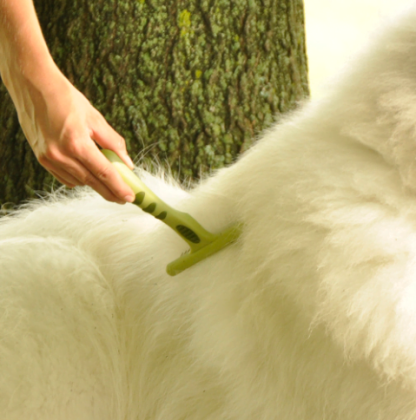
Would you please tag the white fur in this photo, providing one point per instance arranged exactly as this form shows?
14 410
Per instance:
310 316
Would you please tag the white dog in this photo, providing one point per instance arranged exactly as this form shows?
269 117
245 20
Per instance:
311 315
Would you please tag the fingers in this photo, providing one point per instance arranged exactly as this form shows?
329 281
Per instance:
51 162
104 135
86 165
101 175
65 146
65 179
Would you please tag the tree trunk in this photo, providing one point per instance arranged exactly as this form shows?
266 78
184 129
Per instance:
190 82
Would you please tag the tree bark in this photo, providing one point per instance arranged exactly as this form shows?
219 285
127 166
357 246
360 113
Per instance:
190 82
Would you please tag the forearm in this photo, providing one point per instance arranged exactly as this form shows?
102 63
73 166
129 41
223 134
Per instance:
24 56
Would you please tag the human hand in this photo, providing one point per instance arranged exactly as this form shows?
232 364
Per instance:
62 128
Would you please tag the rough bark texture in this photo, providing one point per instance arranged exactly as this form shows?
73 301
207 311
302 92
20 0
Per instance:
189 81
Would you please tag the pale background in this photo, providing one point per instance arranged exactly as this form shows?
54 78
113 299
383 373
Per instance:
335 29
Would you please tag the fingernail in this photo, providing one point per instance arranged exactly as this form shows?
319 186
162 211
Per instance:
130 161
129 198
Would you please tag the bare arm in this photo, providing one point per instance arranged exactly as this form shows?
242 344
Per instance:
60 124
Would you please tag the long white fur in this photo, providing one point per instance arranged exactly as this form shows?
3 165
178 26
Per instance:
310 316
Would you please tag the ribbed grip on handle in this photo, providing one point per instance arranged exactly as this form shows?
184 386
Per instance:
182 223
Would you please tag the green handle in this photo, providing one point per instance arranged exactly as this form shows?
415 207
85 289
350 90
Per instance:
182 223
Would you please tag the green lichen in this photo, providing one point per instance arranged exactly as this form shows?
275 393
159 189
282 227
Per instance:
184 22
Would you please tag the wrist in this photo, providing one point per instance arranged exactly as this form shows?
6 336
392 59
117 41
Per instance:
28 81
25 62
30 69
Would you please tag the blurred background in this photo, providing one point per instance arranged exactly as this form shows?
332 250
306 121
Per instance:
335 29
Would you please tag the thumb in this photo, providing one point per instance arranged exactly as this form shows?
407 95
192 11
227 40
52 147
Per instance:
104 135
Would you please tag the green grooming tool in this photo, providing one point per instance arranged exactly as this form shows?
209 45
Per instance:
202 243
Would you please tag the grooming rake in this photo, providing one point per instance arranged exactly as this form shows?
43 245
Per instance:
202 243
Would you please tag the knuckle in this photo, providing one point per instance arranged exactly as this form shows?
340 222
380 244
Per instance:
73 148
97 117
87 180
103 173
122 144
50 154
69 135
43 160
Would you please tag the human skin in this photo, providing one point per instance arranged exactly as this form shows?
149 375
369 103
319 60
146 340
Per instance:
61 126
